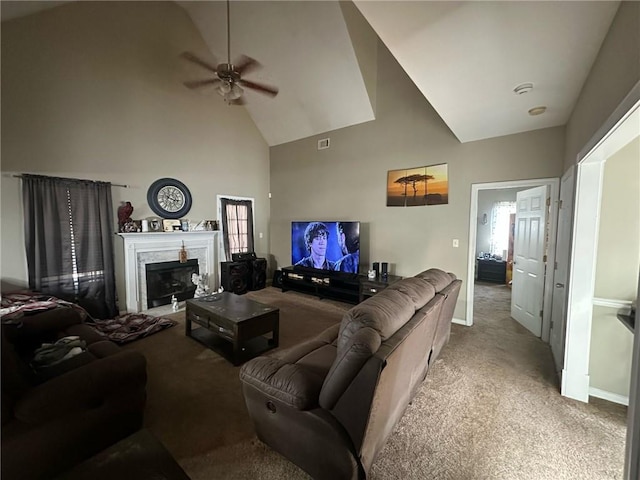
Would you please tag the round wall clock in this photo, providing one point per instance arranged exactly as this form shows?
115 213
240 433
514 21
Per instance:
169 198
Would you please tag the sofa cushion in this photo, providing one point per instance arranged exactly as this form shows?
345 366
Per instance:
103 348
438 278
364 343
385 313
417 289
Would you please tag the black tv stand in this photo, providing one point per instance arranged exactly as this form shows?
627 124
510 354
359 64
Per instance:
323 284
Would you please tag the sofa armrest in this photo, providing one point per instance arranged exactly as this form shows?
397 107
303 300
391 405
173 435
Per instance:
287 382
83 388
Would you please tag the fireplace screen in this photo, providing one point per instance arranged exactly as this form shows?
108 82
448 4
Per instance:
165 279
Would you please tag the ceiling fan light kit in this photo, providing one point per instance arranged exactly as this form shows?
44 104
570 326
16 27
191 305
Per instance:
537 110
228 79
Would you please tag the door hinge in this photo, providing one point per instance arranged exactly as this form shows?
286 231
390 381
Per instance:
540 312
555 265
544 258
560 204
548 201
551 325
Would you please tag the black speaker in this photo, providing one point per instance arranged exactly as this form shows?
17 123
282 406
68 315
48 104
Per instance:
277 279
235 276
384 266
376 268
258 274
243 257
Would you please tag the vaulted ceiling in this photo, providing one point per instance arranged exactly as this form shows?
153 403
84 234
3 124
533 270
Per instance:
465 57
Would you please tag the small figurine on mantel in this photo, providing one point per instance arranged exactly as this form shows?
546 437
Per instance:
202 290
124 216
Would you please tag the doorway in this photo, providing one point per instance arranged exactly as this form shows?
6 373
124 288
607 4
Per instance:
476 217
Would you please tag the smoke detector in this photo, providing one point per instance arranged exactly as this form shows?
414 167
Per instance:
523 88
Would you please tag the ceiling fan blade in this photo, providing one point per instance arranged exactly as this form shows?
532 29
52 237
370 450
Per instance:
266 89
201 83
198 61
246 64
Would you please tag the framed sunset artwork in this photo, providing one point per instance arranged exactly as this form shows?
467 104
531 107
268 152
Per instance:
418 186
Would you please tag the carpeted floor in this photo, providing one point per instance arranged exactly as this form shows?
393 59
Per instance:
489 408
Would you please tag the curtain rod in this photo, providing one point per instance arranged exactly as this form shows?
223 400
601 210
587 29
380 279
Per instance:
80 180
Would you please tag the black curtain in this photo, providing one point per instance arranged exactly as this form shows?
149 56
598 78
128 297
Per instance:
68 226
237 226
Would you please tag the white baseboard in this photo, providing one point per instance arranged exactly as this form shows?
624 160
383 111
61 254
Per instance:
611 397
459 321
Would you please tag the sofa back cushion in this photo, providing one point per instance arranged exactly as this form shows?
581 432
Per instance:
385 313
350 359
366 326
417 290
438 278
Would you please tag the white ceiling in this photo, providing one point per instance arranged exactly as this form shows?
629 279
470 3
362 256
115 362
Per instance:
465 57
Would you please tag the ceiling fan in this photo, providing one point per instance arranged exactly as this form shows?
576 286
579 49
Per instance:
228 79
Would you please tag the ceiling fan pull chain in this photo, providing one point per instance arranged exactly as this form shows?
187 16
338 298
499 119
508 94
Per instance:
228 35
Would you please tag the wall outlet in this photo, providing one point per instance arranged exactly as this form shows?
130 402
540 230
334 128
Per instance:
456 243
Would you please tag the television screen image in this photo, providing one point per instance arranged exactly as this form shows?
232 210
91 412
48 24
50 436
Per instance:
326 245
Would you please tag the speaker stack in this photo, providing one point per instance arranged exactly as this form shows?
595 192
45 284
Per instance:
235 276
245 272
258 274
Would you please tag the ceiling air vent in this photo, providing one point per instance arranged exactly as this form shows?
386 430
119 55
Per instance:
322 144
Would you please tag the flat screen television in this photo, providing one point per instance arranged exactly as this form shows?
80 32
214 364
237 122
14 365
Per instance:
326 245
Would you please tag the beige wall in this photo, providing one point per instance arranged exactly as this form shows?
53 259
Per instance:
613 75
93 90
617 266
348 181
619 237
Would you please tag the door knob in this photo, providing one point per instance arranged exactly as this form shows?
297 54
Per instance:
559 285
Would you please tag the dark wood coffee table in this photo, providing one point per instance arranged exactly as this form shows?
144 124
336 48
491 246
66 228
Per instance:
232 325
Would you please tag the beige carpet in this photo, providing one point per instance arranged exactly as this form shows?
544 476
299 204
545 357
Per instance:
489 408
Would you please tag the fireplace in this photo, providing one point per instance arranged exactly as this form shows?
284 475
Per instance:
166 279
141 249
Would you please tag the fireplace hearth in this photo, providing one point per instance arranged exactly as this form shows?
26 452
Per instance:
166 279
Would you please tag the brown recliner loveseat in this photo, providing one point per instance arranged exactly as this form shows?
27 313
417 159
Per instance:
56 416
330 404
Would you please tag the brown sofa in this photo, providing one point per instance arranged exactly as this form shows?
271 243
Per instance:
330 404
56 416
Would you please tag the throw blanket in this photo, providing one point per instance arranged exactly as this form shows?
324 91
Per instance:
122 329
15 305
132 326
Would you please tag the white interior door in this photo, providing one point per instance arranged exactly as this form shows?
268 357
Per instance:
560 277
528 252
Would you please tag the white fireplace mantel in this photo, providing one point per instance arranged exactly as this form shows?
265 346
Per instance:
143 248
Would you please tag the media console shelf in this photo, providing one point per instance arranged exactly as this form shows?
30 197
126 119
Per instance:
335 285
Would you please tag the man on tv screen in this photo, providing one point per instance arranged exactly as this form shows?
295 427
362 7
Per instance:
349 240
316 236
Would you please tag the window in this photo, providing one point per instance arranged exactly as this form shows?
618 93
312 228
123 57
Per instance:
68 237
236 216
500 214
